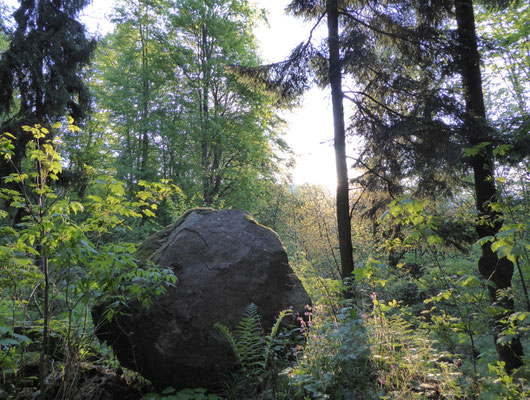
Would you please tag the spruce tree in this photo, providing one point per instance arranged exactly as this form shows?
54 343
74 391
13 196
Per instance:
420 103
41 71
495 269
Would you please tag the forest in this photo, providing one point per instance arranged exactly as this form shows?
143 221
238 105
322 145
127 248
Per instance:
417 266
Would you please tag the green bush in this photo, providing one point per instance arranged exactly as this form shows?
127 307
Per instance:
335 362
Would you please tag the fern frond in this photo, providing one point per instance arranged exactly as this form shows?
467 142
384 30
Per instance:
231 340
250 345
269 340
249 338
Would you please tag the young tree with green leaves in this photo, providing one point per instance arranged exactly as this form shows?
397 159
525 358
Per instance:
127 79
229 127
61 250
506 75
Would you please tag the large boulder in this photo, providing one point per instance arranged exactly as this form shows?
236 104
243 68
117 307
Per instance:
224 261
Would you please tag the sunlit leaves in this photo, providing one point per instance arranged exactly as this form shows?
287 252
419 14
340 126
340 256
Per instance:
502 149
370 271
6 145
413 215
175 112
67 235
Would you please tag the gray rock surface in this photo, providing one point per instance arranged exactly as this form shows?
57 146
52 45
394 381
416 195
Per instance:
224 261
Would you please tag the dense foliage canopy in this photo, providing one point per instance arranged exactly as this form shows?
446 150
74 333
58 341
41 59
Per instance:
418 266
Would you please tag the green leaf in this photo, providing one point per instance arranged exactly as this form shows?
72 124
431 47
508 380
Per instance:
4 330
21 338
117 189
495 246
169 390
473 151
502 149
9 135
434 239
484 240
471 281
148 213
8 342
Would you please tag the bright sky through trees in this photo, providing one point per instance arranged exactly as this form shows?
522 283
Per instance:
309 131
310 126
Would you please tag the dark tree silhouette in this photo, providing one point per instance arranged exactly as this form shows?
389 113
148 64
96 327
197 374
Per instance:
497 270
342 199
416 118
41 72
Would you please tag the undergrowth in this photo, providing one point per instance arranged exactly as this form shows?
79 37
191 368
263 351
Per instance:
335 362
257 355
408 364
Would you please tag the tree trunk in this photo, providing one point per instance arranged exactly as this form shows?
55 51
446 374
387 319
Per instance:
335 79
498 271
204 62
43 362
144 146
